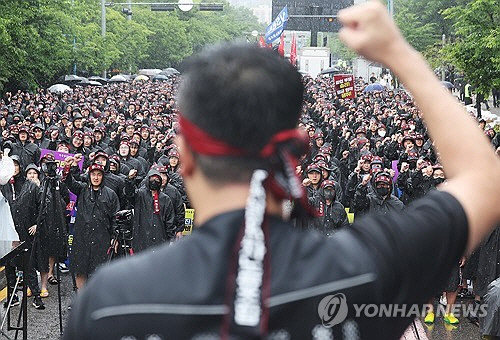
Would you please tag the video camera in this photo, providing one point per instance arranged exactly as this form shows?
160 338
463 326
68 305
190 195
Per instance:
123 220
50 168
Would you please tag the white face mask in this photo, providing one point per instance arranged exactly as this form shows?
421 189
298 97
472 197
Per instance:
412 127
382 133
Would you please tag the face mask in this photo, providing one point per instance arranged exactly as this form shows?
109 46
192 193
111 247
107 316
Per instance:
382 133
383 191
154 185
329 194
438 181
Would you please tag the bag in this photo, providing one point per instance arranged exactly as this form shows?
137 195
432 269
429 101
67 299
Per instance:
8 232
6 169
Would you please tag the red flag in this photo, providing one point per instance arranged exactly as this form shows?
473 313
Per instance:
262 42
293 51
281 48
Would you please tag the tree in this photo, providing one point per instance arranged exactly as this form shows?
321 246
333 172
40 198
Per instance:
476 51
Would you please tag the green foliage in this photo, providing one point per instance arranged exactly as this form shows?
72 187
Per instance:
476 51
41 40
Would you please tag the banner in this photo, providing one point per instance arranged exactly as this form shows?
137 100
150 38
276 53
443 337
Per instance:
276 28
188 222
344 86
281 47
293 51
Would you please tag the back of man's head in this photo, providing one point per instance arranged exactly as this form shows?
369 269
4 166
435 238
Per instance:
241 95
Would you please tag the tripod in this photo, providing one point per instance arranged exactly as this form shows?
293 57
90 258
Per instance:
51 183
122 235
20 250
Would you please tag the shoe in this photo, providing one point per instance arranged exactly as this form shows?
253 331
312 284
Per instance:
44 293
28 292
429 318
63 268
15 301
451 319
443 301
53 281
38 303
450 327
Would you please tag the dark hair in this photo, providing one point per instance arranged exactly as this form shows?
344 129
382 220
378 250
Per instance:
243 95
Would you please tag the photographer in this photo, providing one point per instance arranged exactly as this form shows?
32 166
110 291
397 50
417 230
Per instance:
97 206
154 214
53 226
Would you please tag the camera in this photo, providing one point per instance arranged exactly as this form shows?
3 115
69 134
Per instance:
50 168
123 220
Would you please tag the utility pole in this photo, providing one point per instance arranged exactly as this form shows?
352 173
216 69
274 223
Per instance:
443 76
103 28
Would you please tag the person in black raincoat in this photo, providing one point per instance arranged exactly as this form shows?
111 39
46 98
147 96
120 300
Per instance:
24 198
28 152
126 159
332 215
488 268
97 206
381 200
111 180
153 212
176 198
53 225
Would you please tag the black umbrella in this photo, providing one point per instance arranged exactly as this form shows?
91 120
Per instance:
101 80
160 77
448 85
70 78
331 70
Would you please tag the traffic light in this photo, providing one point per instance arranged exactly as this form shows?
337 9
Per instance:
162 7
211 7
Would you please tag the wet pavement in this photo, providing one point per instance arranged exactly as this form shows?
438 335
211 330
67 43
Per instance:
43 324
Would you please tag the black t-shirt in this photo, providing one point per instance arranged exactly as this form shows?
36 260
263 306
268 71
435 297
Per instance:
179 291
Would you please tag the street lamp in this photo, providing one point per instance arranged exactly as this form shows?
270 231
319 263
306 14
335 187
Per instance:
185 5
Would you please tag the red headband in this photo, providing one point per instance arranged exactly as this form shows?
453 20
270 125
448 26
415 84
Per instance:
204 144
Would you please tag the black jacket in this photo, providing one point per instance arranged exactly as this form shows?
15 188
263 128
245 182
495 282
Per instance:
182 291
150 229
28 153
93 224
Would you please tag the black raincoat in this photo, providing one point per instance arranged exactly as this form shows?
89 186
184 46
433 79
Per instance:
176 198
372 202
150 229
53 224
93 224
488 268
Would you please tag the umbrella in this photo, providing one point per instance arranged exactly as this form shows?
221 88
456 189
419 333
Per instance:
59 88
70 78
448 85
169 71
83 82
99 79
374 87
160 77
331 70
94 83
149 71
141 77
117 79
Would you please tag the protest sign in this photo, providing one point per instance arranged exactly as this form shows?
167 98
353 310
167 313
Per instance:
344 86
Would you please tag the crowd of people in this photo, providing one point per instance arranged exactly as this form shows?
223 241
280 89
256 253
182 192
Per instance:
367 154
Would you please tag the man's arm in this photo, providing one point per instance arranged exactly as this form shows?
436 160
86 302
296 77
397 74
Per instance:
473 171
